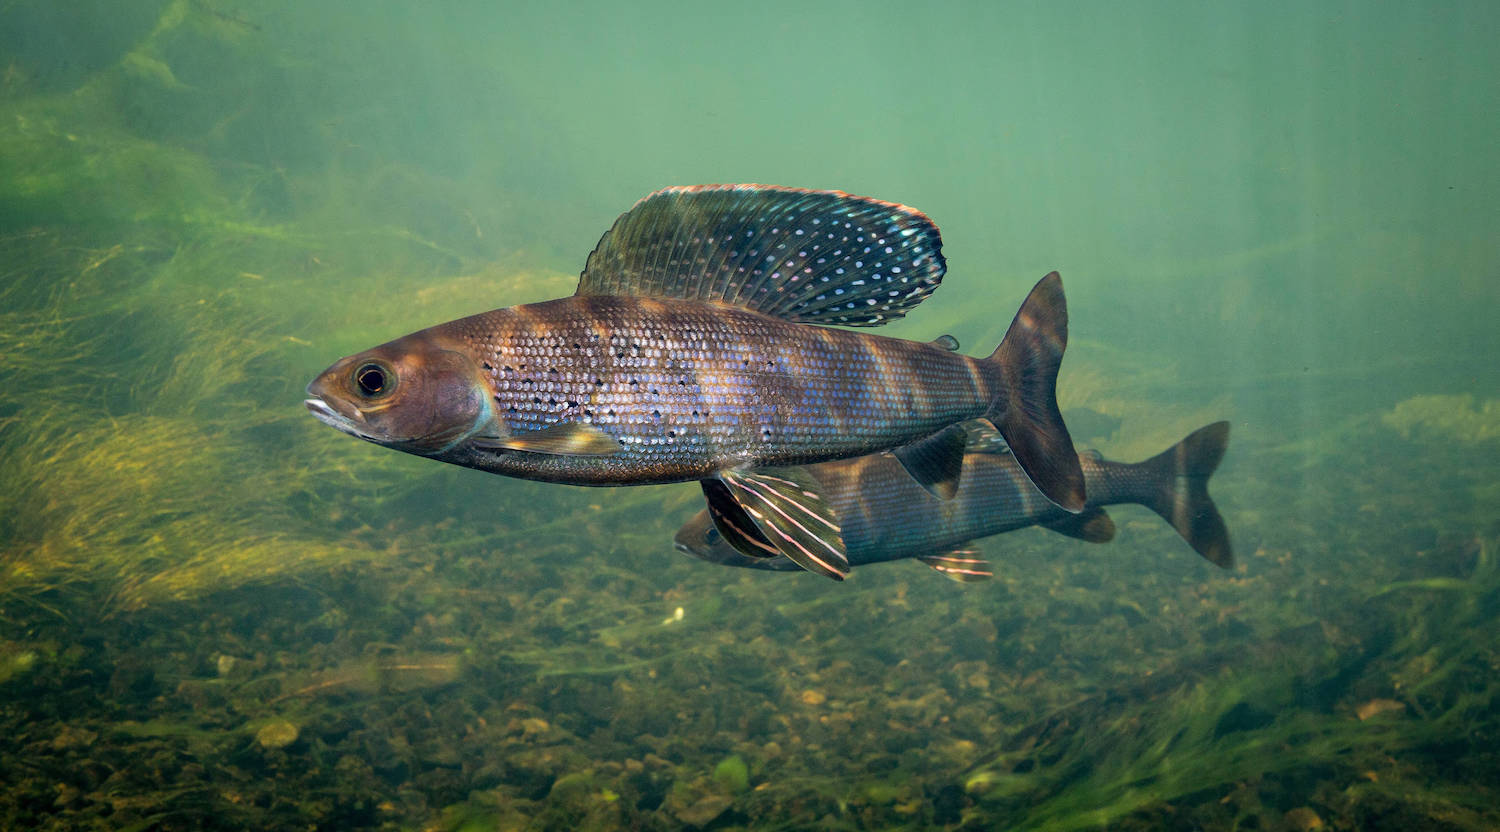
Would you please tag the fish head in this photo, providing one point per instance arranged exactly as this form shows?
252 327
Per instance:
419 394
700 538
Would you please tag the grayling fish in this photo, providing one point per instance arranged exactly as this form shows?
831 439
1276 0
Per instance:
887 517
688 353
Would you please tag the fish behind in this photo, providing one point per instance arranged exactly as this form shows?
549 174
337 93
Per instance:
886 517
696 348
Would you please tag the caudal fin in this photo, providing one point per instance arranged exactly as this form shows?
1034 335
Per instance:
1026 412
1181 473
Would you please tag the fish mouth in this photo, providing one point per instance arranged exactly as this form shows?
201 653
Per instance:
332 418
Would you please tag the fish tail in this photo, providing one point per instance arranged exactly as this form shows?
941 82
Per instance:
1025 409
1180 496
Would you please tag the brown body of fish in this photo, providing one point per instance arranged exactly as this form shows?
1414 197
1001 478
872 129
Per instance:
690 388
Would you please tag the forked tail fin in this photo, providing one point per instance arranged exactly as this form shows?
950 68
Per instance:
1181 475
1025 411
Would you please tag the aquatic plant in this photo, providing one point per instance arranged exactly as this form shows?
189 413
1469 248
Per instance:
1454 417
214 613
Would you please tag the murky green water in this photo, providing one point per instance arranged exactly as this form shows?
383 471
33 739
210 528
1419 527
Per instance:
217 613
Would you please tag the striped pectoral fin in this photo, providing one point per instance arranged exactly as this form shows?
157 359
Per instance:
962 564
784 508
563 438
937 461
1092 526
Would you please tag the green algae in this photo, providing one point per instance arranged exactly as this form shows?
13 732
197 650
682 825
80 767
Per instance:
1455 417
733 774
190 562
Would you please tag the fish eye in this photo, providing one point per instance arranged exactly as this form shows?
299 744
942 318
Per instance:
713 537
372 380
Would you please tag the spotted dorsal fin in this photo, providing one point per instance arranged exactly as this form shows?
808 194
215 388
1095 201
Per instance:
811 256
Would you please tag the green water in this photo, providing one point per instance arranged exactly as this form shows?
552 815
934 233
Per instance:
216 613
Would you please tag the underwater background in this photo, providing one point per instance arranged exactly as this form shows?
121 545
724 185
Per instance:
215 613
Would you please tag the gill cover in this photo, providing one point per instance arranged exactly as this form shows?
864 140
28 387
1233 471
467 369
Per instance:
413 394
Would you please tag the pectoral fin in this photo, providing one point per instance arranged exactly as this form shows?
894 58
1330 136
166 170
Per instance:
787 512
962 565
937 461
1093 526
563 438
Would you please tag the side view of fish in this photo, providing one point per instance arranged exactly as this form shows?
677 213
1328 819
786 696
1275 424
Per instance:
886 517
694 349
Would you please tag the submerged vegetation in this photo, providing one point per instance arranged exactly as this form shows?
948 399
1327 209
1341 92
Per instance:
215 613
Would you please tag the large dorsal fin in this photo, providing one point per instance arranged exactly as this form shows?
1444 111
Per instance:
812 256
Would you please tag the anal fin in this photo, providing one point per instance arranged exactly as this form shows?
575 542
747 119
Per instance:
963 565
937 461
786 509
1093 526
562 438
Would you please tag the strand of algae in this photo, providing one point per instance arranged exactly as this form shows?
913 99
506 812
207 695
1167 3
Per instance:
1138 754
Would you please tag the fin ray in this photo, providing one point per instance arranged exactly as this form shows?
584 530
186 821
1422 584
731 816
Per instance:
810 256
736 527
962 564
1182 497
1028 416
787 510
